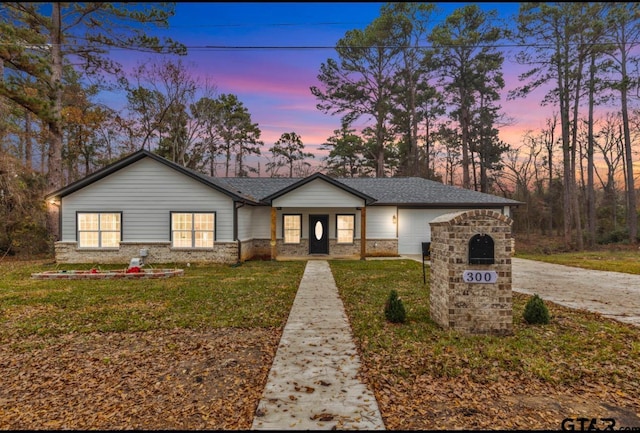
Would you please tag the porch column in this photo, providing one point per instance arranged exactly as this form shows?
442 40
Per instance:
273 232
363 232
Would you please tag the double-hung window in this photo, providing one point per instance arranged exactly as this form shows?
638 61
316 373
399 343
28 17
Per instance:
99 229
192 229
292 228
345 228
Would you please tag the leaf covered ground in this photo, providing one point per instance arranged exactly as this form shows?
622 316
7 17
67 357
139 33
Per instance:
178 380
81 375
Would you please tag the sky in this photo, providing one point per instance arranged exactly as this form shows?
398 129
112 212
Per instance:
253 50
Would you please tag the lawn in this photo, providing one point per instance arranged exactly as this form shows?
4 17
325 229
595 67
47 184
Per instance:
193 352
256 294
181 353
425 377
604 260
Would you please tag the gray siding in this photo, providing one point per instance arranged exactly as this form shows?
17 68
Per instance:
318 193
261 225
380 222
146 192
245 222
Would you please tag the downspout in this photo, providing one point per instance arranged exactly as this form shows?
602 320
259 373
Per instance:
236 206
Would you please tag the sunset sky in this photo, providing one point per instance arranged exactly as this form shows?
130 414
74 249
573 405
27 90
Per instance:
269 55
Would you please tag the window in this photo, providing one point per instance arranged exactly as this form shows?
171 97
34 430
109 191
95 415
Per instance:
345 228
292 227
192 230
99 230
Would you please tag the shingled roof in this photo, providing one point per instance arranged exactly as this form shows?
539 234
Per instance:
409 191
401 191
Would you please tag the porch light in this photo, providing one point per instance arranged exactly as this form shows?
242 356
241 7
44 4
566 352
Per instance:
394 219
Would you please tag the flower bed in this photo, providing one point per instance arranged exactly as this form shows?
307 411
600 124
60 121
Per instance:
114 274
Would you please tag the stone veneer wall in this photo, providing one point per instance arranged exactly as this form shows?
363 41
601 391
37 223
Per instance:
302 249
223 252
382 247
471 308
158 252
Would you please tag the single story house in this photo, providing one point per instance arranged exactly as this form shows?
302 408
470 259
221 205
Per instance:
145 206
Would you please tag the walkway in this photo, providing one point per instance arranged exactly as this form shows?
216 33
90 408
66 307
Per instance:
313 383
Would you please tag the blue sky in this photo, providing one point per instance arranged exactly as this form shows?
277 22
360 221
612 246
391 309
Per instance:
273 83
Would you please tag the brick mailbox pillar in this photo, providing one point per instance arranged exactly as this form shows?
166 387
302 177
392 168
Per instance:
471 272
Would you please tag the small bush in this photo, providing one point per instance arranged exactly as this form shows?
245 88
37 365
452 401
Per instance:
394 309
536 312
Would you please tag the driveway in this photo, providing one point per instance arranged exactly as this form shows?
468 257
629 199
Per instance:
613 294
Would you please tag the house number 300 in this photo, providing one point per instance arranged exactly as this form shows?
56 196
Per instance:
486 277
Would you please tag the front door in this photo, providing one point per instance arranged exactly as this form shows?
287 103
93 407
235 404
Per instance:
318 234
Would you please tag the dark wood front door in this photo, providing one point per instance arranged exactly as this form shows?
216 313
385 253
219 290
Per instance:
318 234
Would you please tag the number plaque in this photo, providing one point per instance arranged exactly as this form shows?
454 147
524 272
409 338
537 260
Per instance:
477 276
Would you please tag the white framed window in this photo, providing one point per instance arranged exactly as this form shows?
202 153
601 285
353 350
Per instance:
192 229
99 229
345 228
292 228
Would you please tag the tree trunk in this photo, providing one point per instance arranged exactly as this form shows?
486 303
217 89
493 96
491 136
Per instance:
632 215
464 125
563 95
575 205
54 124
591 196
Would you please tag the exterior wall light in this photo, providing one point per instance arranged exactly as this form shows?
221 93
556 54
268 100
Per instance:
394 219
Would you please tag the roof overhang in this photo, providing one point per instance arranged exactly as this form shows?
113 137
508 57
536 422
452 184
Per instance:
134 157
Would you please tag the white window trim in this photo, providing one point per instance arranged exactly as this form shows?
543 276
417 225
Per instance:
284 231
99 231
353 231
193 231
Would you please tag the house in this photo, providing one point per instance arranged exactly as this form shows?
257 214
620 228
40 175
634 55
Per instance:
149 207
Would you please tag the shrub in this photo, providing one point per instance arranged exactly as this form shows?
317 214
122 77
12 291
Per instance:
394 309
536 312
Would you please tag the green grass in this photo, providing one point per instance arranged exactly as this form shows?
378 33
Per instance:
256 294
617 261
575 346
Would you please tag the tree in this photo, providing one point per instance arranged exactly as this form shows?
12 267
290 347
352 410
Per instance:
288 150
624 33
469 65
414 95
363 81
345 157
159 100
209 138
37 41
39 38
249 144
82 120
231 121
610 142
560 25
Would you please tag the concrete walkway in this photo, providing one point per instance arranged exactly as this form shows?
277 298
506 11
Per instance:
313 383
